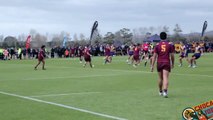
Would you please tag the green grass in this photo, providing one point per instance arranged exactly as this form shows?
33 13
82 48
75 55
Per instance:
115 89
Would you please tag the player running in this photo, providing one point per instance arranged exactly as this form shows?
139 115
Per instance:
163 52
145 56
112 52
196 56
81 54
130 51
107 54
41 57
151 53
183 53
136 55
87 57
202 46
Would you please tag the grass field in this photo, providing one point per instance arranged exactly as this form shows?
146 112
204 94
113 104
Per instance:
67 91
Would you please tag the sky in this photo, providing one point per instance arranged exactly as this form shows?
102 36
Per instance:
77 16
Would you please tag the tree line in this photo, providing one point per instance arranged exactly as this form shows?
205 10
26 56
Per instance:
120 37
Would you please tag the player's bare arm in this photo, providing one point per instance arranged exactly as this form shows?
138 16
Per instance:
153 62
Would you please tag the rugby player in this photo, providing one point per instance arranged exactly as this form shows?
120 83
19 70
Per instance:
87 57
41 57
81 54
130 51
183 54
145 56
136 55
107 54
196 56
163 52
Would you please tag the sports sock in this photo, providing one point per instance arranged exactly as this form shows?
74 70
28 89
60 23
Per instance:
165 90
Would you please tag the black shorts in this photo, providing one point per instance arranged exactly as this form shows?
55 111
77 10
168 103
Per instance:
196 55
146 52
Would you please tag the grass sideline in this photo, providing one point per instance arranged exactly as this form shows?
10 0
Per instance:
115 89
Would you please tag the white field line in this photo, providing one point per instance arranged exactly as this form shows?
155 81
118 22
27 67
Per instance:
115 70
65 94
63 106
64 77
86 76
119 70
191 75
144 72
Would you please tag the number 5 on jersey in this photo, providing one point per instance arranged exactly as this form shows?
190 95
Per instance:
163 48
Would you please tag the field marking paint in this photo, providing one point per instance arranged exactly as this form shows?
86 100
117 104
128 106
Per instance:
63 77
119 70
86 76
63 106
65 94
116 70
197 75
155 72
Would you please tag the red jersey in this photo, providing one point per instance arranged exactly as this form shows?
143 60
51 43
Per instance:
163 50
66 52
145 47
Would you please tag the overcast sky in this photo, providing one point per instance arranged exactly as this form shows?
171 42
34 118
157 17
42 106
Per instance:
77 16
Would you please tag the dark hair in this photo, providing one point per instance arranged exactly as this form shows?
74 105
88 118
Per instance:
163 35
43 46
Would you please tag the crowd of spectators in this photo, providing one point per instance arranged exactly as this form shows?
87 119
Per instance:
60 52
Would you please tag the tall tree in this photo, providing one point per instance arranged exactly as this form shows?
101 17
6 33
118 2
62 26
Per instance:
165 29
75 37
82 36
177 30
10 41
1 38
39 40
109 38
127 35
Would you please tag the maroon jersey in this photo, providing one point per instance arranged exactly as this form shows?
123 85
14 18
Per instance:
87 57
72 50
163 50
136 51
80 51
107 51
86 52
41 54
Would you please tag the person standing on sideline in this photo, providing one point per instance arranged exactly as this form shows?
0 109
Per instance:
164 53
41 57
